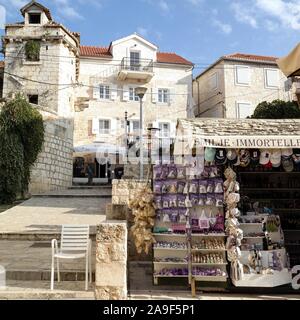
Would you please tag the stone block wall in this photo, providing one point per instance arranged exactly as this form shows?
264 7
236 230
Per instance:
122 192
53 169
111 261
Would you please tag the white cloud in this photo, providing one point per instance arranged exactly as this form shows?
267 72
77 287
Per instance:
142 31
195 2
243 12
70 12
223 27
163 5
287 13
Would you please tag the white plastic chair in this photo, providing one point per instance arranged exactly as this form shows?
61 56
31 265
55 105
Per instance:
74 244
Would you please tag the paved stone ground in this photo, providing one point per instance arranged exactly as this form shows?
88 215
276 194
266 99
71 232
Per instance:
46 214
34 256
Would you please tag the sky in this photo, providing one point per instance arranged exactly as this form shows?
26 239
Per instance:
199 30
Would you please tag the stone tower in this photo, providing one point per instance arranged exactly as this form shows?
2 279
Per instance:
42 62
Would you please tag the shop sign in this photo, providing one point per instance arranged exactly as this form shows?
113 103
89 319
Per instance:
296 279
247 142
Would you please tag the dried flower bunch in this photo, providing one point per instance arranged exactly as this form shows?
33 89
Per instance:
143 210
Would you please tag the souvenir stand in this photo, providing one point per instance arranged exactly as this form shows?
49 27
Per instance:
214 203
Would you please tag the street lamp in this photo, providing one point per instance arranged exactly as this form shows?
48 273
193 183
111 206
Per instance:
140 92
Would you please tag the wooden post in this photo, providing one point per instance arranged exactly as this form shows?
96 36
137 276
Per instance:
193 287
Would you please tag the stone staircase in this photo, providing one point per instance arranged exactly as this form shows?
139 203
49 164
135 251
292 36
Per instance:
27 230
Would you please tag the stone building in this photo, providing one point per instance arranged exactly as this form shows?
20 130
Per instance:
234 85
41 62
110 76
83 92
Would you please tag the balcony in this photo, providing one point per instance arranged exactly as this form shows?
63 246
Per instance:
136 69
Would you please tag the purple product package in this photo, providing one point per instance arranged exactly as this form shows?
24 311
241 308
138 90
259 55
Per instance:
172 174
202 186
219 200
157 170
194 186
181 201
164 172
180 186
202 199
218 186
180 172
210 186
157 187
194 197
172 200
165 201
210 199
158 202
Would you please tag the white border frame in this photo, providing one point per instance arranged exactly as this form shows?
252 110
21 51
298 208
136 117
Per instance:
236 75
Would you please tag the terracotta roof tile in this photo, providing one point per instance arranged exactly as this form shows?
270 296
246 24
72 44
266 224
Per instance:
167 57
251 57
162 57
89 51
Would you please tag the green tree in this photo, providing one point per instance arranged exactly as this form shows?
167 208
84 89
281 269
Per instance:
21 140
277 109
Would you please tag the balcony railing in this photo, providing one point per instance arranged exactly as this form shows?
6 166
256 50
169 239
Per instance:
140 65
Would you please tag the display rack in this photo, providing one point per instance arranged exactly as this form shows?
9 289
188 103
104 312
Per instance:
192 247
279 191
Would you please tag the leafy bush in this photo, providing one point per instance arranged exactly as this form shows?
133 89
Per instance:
276 109
32 50
21 140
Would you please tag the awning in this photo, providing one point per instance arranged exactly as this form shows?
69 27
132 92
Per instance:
236 133
290 64
99 148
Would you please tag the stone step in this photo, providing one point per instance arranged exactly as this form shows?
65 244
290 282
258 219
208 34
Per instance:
19 290
90 187
45 275
36 236
57 195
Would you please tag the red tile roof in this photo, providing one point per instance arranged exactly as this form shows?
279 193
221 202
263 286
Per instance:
89 51
162 57
251 57
166 57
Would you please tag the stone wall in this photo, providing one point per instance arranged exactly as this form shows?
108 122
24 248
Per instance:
111 261
53 169
122 191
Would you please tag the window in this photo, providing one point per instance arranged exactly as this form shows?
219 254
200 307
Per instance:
242 75
33 98
135 126
164 130
134 60
104 126
132 95
244 110
163 95
34 18
271 78
104 92
213 81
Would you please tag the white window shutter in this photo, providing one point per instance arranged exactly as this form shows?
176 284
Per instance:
95 126
154 95
125 96
171 96
114 92
96 92
113 126
243 75
173 129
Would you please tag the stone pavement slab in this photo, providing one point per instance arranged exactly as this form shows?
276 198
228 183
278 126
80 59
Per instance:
24 290
48 214
31 256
